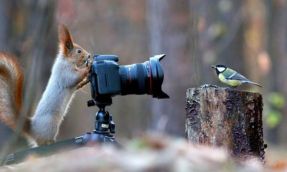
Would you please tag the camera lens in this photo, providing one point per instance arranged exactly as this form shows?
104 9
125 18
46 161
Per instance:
143 78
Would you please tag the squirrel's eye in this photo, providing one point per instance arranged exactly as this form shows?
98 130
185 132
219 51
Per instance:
79 51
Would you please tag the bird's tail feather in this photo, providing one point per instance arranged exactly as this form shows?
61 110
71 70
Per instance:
254 83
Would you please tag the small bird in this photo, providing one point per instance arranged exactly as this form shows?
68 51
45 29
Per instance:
231 77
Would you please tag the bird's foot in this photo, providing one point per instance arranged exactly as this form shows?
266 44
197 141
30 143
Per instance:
204 86
232 88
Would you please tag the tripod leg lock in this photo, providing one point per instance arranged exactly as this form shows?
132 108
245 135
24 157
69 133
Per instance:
112 126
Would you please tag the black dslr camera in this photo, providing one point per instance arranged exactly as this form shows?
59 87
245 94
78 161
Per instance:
108 78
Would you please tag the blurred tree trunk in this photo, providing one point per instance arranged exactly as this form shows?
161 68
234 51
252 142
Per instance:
5 18
195 17
277 45
168 23
254 43
218 38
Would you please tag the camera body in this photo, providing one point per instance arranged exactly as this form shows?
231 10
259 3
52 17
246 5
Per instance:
104 75
108 78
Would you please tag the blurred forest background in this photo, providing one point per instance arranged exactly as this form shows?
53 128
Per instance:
249 36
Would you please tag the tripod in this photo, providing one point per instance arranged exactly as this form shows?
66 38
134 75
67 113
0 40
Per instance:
103 133
104 124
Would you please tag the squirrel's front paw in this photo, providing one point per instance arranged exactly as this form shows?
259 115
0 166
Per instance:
46 142
83 76
83 83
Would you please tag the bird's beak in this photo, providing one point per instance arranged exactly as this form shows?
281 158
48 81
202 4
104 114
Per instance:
212 66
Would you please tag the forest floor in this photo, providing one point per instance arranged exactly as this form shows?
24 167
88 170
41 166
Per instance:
276 156
151 153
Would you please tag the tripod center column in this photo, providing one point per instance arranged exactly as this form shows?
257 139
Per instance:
102 121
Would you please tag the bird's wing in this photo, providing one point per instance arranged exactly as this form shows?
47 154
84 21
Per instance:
233 75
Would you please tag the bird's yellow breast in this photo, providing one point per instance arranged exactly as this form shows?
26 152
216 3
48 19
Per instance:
233 83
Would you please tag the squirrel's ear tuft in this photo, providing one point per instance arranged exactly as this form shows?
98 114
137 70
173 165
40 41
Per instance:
65 40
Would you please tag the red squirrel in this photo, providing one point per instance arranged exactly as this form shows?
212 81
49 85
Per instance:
69 73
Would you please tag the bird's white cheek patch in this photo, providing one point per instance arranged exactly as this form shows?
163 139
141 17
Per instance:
220 69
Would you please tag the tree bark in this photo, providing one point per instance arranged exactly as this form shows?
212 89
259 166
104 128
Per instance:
225 117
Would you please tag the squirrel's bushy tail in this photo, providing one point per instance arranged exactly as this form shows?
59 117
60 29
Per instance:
11 96
11 89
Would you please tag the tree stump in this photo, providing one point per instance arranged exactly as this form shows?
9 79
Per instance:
225 117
